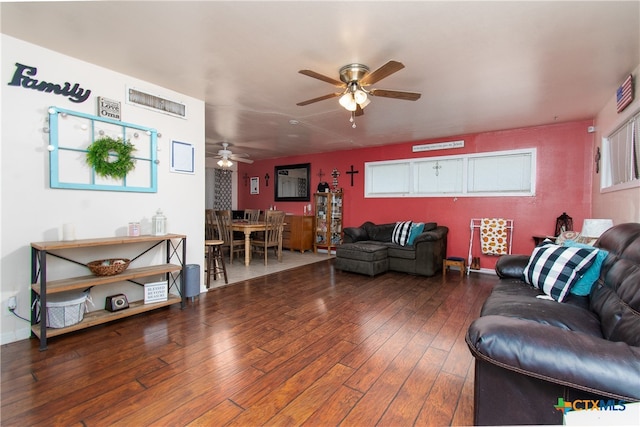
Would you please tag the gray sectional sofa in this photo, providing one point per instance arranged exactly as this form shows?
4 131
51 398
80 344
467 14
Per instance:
369 249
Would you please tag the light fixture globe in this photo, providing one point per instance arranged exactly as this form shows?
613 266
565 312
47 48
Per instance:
225 163
360 96
348 102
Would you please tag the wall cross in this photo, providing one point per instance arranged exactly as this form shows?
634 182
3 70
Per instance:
437 167
351 172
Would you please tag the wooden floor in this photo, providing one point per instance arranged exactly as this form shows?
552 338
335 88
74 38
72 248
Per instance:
310 346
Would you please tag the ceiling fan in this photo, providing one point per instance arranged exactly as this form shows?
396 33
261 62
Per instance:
355 80
226 156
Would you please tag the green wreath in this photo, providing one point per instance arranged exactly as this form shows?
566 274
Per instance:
111 157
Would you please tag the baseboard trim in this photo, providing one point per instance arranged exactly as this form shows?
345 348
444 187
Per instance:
482 271
18 335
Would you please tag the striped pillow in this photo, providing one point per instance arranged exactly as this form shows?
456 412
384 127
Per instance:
401 232
555 269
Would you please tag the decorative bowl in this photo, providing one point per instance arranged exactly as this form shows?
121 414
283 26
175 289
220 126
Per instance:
108 267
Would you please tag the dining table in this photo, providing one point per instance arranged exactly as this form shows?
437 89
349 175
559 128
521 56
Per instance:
248 227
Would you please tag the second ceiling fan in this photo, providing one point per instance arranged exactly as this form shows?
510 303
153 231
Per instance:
355 80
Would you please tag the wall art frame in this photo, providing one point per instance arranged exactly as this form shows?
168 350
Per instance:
71 133
255 185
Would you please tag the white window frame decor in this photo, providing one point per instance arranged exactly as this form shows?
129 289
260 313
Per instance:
506 173
621 157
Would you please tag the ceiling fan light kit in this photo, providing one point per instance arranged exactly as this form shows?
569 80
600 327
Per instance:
354 78
225 163
225 157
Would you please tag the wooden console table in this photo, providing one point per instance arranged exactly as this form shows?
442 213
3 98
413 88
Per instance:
176 250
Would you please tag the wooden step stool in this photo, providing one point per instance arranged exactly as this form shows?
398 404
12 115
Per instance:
454 262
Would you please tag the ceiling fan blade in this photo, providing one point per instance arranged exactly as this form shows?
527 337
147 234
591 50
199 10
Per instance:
322 77
407 96
385 71
241 160
359 111
320 98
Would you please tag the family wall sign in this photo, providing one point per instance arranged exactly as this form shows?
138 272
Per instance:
25 76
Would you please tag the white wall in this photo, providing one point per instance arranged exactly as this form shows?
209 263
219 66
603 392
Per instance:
30 211
623 205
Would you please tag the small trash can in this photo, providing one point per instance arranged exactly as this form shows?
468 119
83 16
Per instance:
191 276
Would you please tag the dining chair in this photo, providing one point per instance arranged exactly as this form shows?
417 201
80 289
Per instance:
252 215
272 235
224 221
210 226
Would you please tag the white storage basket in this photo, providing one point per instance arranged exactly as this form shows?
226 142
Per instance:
65 309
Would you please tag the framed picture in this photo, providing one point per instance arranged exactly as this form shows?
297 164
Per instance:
255 185
182 157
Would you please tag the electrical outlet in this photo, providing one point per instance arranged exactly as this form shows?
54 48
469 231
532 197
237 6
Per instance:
12 304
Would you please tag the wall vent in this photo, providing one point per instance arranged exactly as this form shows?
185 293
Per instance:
156 103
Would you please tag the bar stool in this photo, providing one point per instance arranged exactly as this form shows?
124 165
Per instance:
453 262
215 260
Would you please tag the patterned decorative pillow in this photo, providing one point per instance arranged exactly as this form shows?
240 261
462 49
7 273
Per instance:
555 269
567 235
401 232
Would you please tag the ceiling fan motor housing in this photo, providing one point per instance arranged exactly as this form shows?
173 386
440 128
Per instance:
353 72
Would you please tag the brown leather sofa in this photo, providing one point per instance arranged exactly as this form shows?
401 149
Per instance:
534 356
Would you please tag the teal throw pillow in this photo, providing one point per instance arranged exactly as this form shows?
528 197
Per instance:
416 229
583 286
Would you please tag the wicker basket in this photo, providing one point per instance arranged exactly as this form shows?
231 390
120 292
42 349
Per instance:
108 267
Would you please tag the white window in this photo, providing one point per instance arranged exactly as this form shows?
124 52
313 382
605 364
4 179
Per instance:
621 157
387 178
498 173
439 176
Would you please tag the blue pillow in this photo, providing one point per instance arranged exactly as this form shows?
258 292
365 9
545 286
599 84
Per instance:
585 283
416 229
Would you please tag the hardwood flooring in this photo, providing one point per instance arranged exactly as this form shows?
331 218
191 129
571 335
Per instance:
311 346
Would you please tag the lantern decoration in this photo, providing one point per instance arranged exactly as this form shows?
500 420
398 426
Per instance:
563 223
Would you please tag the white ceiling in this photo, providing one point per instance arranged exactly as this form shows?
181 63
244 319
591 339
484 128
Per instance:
480 66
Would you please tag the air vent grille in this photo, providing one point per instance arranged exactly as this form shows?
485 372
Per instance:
157 103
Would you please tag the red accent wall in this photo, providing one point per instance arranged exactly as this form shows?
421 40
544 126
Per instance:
563 184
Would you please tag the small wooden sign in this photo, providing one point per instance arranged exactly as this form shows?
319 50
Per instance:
155 292
108 108
438 146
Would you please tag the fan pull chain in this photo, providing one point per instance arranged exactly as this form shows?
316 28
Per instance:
353 119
